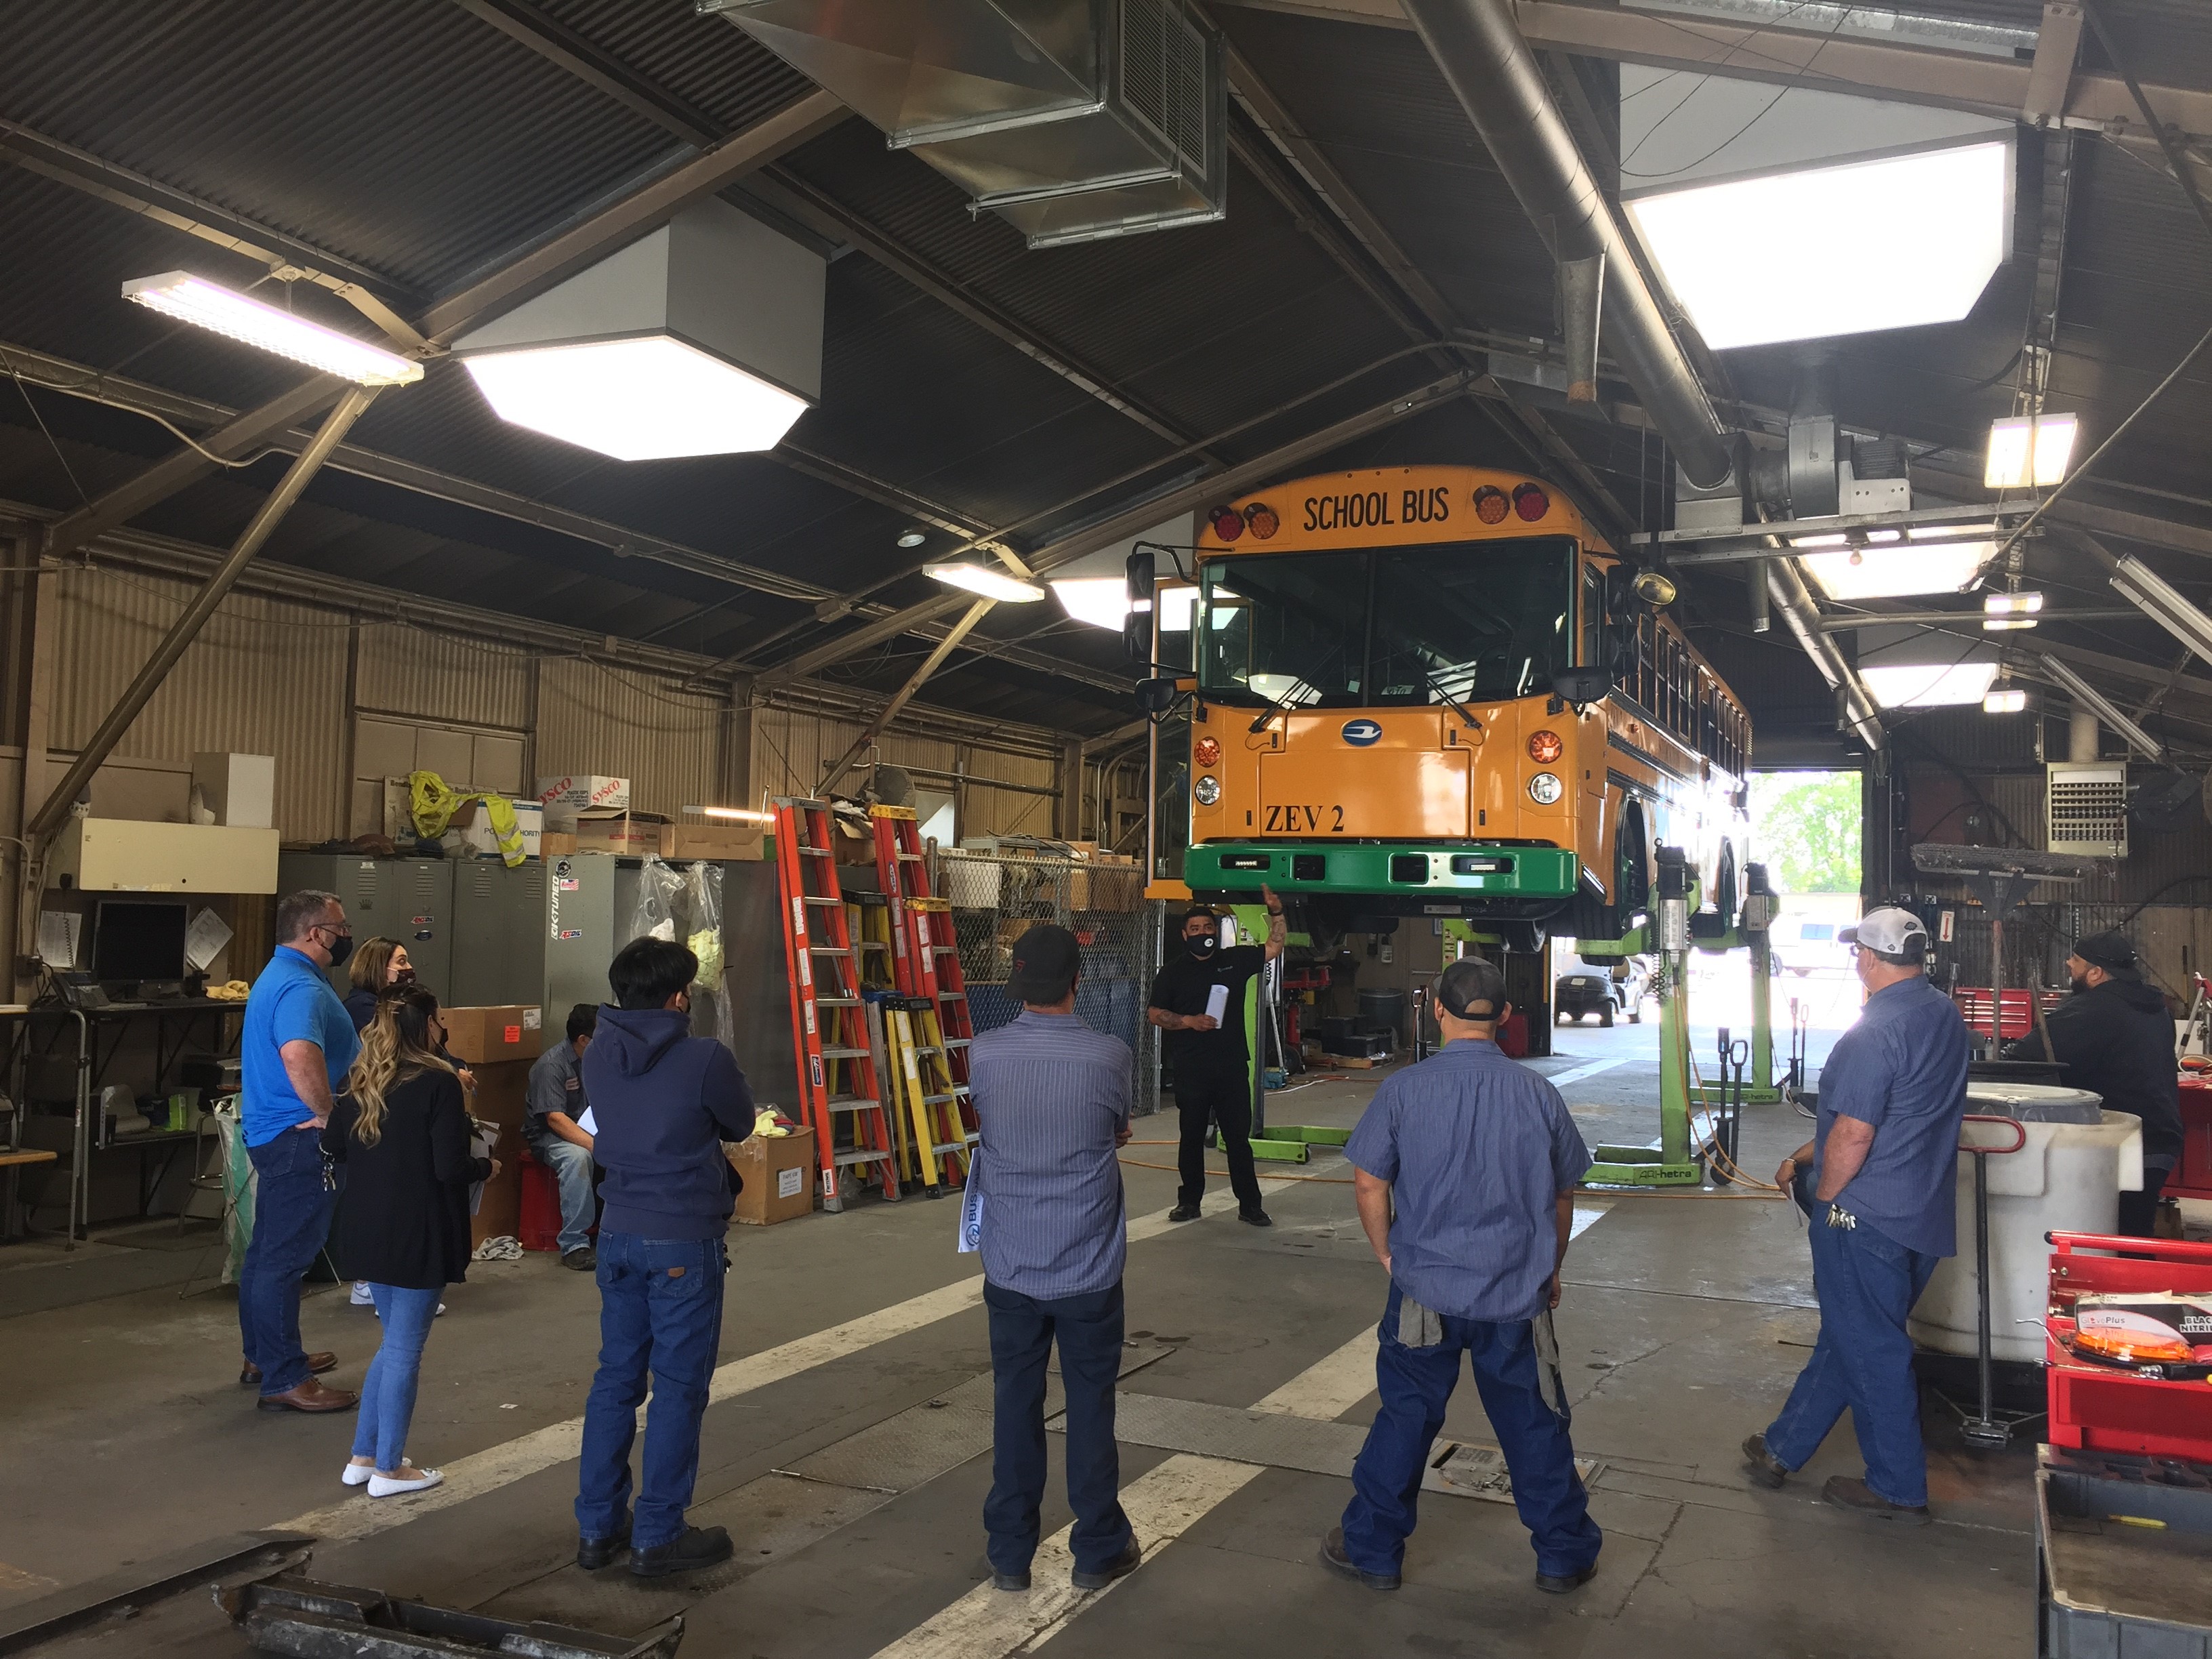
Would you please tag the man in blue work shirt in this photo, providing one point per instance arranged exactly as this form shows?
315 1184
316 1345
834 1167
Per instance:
1052 1097
297 1045
553 1103
1884 1162
664 1101
1482 1159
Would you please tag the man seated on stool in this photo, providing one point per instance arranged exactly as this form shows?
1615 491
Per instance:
553 1107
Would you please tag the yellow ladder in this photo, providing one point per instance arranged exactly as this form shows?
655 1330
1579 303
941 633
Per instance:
940 1145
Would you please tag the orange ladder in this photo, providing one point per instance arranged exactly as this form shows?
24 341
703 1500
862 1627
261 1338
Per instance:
926 952
837 1074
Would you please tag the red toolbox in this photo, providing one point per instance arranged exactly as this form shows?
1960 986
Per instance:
2193 1176
2107 1407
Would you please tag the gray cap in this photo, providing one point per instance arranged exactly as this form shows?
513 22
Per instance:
1471 988
1892 934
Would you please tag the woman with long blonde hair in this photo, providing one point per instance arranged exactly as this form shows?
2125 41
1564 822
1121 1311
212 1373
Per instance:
402 1132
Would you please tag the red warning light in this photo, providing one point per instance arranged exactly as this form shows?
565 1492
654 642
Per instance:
1530 501
1226 522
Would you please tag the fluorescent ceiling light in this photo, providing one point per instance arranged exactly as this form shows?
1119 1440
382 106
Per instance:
1892 243
649 399
2002 698
1100 601
989 579
1177 605
2008 610
194 300
1882 573
1928 685
742 814
2030 451
2165 605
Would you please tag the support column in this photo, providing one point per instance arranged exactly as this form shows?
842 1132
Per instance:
1067 823
27 700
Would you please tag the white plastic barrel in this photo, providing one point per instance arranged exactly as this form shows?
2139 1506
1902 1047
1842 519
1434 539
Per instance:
2066 1178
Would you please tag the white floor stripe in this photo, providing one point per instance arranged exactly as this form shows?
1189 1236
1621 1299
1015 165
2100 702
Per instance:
1576 1073
502 1465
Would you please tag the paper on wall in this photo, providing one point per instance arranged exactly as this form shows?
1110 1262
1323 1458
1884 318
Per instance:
204 940
58 932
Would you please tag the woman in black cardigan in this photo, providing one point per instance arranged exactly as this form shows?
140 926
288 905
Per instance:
402 1133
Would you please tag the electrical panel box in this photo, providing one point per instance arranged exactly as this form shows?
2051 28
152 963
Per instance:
499 943
585 917
2087 808
410 900
138 855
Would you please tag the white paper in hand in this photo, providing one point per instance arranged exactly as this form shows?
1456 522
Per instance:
1217 1002
587 1123
972 1215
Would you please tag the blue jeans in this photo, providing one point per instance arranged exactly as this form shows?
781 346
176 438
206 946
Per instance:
387 1393
1867 1283
1417 1384
291 1219
661 1310
572 1168
1023 1330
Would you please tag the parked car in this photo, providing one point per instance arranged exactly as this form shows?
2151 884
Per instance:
1605 988
1805 948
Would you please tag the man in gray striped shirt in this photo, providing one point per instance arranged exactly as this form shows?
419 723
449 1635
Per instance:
1052 1097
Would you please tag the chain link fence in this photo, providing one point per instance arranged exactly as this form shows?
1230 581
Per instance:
996 897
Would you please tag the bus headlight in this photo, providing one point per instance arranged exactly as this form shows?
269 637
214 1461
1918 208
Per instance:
1544 789
1206 790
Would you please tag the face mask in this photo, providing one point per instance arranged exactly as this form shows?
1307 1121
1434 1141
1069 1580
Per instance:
341 948
1201 947
403 980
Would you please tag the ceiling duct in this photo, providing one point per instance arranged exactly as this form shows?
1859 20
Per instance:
1071 119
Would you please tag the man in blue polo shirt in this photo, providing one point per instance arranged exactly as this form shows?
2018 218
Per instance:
298 1044
1481 1160
1884 1162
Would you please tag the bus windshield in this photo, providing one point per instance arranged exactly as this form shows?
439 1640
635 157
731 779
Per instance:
1454 621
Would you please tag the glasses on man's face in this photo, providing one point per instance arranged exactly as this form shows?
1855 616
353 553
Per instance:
339 930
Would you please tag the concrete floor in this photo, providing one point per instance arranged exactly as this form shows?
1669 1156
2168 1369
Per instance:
1684 1321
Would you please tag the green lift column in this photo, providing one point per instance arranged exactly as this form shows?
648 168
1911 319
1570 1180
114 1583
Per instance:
1252 920
1669 1163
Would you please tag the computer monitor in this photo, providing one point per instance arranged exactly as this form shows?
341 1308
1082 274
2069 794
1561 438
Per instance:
138 940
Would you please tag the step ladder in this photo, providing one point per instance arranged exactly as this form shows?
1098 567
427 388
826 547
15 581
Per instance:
927 953
839 1094
941 1135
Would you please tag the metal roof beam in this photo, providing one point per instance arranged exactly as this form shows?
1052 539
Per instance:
1831 62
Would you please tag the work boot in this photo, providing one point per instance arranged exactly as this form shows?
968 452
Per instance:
1334 1558
1764 1467
1119 1567
311 1396
1183 1212
1553 1583
317 1364
1015 1582
1846 1493
1255 1217
699 1547
593 1553
583 1259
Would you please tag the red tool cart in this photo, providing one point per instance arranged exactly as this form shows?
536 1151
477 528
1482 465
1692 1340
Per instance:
2108 1408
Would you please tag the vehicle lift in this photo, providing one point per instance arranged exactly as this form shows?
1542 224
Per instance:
1671 935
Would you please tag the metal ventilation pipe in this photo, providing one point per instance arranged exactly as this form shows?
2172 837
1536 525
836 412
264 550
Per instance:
1489 67
1787 589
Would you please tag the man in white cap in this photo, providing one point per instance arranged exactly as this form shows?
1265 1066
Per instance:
1883 1163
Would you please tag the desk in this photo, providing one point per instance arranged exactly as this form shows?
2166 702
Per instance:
13 1161
211 1024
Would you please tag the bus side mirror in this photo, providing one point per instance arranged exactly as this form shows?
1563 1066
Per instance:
1156 696
1583 686
1137 623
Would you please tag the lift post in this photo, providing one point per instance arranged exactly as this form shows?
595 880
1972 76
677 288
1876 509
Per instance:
1668 935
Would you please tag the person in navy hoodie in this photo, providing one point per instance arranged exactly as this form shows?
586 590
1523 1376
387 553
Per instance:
663 1102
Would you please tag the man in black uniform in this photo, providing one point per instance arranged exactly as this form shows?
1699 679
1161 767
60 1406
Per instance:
1205 1039
2115 1037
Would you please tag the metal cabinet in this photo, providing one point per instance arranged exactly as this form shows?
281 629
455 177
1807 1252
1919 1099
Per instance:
589 900
410 900
499 939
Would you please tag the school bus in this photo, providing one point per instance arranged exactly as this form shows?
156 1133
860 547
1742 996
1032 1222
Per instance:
1433 691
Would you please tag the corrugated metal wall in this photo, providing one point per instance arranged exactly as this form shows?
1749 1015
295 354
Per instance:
629 724
265 677
443 677
792 748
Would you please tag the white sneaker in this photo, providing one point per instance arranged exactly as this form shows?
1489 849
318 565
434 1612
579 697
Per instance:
441 1308
361 1298
381 1485
357 1474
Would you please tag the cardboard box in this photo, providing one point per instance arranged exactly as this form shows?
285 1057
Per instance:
472 825
556 844
1104 883
562 797
628 837
779 1173
483 1036
712 841
501 1087
240 790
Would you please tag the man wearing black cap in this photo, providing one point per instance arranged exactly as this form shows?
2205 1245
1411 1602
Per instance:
2115 1038
1480 1159
1197 1004
1052 1097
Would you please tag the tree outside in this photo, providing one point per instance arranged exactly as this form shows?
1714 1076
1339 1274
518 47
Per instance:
1805 829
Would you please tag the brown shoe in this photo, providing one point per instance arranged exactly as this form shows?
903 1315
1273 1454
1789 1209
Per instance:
311 1396
317 1364
1846 1493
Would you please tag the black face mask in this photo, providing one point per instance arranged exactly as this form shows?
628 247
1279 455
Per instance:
341 948
401 983
1201 947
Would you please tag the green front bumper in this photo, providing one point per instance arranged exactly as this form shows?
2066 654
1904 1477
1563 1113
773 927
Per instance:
1447 871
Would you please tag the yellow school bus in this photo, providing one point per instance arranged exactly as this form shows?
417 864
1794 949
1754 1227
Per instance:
1433 691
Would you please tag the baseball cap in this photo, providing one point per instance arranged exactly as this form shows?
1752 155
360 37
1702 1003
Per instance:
1045 962
2111 951
1892 934
1471 988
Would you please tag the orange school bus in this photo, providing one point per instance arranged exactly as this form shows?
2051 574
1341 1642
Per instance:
1433 691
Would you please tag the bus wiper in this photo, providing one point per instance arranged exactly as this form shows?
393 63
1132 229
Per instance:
1437 686
1281 705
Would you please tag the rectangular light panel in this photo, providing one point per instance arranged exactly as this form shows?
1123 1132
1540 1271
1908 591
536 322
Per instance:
1099 601
194 300
1893 572
1898 242
2030 452
650 399
1928 685
987 579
